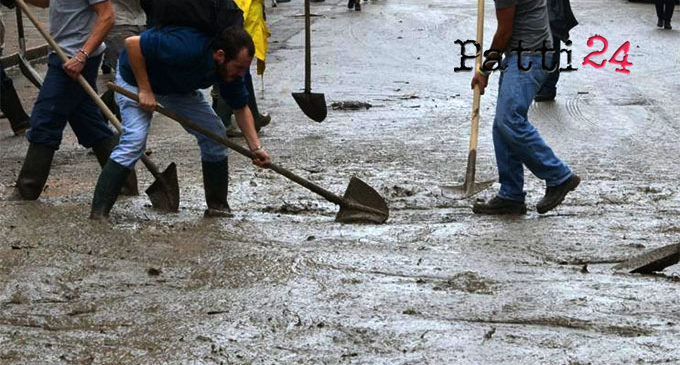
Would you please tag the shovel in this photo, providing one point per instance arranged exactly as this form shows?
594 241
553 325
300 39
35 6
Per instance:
360 204
164 192
312 104
469 187
26 69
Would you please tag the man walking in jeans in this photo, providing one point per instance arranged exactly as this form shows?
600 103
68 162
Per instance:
516 141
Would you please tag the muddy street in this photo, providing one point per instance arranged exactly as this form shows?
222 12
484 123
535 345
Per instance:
282 283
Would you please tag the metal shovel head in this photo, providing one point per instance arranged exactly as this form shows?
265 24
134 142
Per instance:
164 192
312 104
458 192
29 72
365 204
651 261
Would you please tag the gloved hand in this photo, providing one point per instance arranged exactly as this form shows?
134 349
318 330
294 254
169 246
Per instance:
8 3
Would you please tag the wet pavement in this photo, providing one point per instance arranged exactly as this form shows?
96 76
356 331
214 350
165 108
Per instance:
282 283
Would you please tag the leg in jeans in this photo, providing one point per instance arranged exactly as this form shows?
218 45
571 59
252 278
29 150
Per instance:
136 123
195 107
60 97
515 139
510 168
214 162
86 120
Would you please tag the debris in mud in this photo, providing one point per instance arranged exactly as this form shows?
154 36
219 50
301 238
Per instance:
469 282
584 269
82 308
152 271
489 334
397 191
409 97
651 261
350 105
410 312
287 208
311 238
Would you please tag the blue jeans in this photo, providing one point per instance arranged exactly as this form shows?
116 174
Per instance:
516 142
136 123
550 83
62 99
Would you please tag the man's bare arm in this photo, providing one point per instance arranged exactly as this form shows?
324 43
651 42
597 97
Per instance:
105 21
39 3
147 100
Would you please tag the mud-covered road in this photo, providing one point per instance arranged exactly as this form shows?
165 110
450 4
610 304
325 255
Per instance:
282 283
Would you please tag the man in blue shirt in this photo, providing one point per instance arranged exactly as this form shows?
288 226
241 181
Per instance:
169 65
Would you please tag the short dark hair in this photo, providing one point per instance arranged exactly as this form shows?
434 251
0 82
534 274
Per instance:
232 40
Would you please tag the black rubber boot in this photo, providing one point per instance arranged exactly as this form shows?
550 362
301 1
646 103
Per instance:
12 108
34 171
260 119
103 150
108 187
498 205
215 184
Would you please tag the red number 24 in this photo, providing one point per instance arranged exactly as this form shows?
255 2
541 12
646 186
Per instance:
625 48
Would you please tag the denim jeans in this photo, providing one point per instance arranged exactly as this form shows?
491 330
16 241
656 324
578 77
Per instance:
550 83
136 123
517 142
62 99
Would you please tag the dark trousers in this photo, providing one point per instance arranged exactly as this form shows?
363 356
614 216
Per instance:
550 83
62 99
664 9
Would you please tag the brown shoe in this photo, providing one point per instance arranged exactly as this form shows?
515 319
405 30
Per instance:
498 205
554 195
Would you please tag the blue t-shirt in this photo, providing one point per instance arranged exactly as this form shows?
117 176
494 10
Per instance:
179 60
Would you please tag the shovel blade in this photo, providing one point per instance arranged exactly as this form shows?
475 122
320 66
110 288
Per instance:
164 192
312 104
458 192
651 261
29 72
367 205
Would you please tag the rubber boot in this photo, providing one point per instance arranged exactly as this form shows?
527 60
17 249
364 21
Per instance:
103 150
108 187
260 119
12 108
215 184
34 171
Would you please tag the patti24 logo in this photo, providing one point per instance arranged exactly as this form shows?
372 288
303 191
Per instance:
620 57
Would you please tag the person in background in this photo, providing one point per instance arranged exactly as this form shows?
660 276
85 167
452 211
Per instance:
130 21
562 20
664 11
255 23
9 100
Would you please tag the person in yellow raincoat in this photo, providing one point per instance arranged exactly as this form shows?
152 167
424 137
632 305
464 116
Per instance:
255 23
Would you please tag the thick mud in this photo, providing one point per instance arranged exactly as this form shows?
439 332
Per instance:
282 283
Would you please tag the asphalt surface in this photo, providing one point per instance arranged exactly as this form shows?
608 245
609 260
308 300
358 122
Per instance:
283 283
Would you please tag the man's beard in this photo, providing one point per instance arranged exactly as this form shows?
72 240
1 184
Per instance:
221 70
